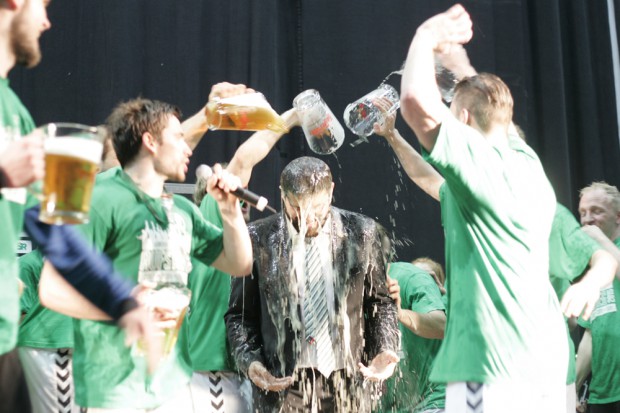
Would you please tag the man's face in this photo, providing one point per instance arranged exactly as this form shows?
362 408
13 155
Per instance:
595 208
309 211
172 153
26 28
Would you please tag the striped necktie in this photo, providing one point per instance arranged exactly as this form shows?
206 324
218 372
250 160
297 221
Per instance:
316 314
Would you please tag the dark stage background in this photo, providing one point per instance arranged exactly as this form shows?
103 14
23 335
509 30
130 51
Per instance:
554 54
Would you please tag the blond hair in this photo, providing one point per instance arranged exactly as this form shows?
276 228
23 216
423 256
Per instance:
439 276
611 191
487 98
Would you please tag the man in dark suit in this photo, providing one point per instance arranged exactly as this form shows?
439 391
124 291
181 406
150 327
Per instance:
316 307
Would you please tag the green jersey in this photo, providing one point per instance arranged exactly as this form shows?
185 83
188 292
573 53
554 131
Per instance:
504 320
604 324
140 235
409 389
570 250
204 327
14 121
40 327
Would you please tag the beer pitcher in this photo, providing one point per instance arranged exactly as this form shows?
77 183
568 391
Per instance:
361 115
322 130
249 111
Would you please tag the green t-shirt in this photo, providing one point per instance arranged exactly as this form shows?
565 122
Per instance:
40 327
504 320
409 388
14 119
570 250
604 325
138 235
204 327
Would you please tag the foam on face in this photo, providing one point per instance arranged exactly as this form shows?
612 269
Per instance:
86 149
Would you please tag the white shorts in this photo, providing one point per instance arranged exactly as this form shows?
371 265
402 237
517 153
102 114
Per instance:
221 391
180 403
49 376
505 397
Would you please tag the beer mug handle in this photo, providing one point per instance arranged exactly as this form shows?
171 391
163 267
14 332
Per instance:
36 188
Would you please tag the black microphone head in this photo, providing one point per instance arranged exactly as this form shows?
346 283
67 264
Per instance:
204 171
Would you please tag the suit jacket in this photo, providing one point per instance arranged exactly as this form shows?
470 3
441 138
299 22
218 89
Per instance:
263 320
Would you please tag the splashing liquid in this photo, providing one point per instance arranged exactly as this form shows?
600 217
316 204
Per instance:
396 72
352 394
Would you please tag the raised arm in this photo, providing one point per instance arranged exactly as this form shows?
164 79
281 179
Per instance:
582 296
418 170
236 256
197 125
421 104
257 147
599 236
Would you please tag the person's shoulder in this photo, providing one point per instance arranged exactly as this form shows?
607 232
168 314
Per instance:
358 222
260 225
109 191
109 183
406 272
354 217
182 202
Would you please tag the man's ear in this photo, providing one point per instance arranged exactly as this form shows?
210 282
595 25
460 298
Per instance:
149 142
465 117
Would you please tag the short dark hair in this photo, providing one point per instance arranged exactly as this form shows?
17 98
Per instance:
130 120
305 176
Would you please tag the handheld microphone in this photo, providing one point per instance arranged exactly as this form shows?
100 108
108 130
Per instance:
257 201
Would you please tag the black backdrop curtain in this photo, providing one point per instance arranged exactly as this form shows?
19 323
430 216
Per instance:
555 55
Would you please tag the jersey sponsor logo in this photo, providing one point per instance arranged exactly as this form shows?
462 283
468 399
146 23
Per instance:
165 249
606 303
23 247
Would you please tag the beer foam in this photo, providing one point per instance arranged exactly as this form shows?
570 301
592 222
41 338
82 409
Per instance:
247 99
86 149
168 298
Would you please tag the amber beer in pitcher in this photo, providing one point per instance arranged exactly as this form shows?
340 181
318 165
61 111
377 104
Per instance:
72 158
249 111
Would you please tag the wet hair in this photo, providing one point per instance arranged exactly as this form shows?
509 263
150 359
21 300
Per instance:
306 176
487 98
611 191
440 275
130 120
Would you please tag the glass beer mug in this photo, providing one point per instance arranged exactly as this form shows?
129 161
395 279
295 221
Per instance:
167 298
249 111
361 115
322 130
72 158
